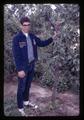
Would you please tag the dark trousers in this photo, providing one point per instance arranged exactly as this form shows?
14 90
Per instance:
24 85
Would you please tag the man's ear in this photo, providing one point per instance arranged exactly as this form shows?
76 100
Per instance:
20 26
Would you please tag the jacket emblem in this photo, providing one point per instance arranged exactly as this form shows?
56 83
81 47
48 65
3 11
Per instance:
22 44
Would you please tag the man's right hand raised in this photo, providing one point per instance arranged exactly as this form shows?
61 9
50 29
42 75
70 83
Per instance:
21 74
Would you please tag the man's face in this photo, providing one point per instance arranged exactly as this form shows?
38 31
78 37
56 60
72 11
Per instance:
25 27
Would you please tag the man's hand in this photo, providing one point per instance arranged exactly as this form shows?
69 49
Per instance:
57 28
54 36
21 74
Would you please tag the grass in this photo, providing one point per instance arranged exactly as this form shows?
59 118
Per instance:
10 106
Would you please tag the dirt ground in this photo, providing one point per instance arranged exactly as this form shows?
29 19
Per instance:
67 103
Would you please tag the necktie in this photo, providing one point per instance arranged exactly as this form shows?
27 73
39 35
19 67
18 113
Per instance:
30 49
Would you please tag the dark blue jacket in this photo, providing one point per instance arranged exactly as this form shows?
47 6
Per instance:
19 47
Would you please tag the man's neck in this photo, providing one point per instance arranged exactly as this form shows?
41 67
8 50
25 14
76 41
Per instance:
25 33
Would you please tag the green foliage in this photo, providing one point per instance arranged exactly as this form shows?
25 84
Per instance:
63 85
47 82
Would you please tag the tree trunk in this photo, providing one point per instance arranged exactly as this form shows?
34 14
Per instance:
54 90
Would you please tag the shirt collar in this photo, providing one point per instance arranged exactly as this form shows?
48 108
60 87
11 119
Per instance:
26 34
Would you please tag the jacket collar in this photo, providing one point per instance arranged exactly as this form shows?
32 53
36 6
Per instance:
21 34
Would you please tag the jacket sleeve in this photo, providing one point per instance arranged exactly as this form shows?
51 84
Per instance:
42 43
17 54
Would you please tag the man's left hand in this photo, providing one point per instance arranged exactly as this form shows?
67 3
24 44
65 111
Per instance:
54 36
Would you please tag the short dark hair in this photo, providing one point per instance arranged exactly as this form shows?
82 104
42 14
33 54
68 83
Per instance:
24 19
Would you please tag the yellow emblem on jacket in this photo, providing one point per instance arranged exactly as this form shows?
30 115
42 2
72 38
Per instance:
22 44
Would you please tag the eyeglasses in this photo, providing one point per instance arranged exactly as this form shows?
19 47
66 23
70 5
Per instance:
26 24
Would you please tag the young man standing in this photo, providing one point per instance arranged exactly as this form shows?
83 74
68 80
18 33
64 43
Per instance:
24 48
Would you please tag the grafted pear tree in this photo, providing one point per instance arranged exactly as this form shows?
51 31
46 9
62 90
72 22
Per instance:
65 68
